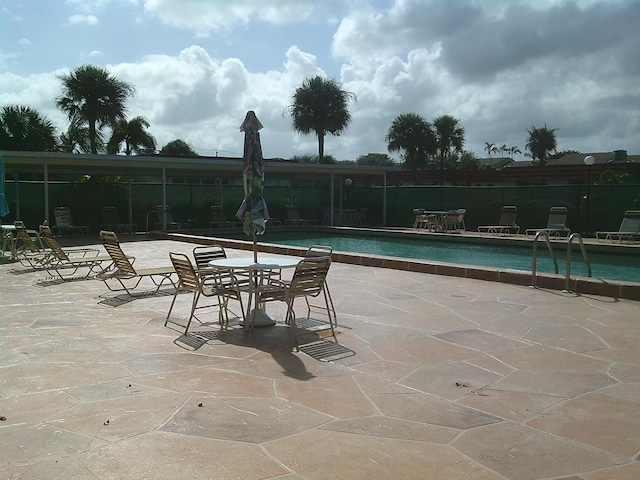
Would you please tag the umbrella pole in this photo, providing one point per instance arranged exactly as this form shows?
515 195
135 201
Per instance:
255 248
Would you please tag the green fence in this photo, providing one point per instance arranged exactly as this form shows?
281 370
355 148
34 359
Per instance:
192 202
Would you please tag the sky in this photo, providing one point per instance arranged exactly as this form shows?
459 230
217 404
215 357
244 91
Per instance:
499 66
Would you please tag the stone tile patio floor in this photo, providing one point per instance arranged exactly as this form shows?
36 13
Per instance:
433 377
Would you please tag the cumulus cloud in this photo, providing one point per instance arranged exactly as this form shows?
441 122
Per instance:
83 19
500 67
221 15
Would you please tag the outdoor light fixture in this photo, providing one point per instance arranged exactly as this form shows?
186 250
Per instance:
348 181
589 160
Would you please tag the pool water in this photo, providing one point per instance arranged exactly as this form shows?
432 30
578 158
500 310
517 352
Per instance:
604 266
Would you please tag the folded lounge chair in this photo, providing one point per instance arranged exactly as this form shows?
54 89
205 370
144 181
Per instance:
293 218
555 225
63 263
123 271
64 222
111 221
219 219
629 229
507 224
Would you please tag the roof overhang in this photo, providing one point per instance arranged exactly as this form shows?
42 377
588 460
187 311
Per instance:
82 164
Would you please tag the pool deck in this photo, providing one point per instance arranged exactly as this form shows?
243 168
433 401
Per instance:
433 376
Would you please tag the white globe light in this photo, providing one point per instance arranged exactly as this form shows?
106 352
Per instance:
348 182
589 160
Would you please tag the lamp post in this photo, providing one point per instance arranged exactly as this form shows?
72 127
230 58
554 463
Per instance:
588 161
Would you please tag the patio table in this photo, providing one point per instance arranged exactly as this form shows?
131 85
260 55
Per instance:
257 271
8 237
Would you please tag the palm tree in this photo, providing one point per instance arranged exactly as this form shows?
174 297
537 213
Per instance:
542 141
320 106
25 129
92 96
136 139
449 139
76 139
411 133
490 148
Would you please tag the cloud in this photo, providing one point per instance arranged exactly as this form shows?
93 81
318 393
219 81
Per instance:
83 19
223 15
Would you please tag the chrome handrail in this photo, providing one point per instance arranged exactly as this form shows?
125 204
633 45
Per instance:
584 256
545 234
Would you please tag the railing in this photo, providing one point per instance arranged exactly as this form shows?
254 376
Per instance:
584 256
545 234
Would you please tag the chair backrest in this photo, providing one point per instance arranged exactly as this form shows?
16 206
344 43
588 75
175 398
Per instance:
461 212
508 217
62 216
110 216
630 222
52 243
24 237
112 246
557 218
187 277
217 215
161 211
292 212
309 277
204 254
318 251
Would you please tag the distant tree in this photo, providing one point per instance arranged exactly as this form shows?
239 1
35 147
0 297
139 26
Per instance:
320 106
375 160
542 142
76 139
412 135
562 153
177 148
514 150
92 96
23 128
134 135
305 158
468 161
490 148
449 139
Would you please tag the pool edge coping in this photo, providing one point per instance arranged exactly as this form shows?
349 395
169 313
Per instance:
577 285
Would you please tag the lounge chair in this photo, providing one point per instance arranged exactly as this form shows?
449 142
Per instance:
555 225
63 263
308 281
629 229
123 271
293 218
219 219
111 221
507 224
29 250
217 283
171 223
64 222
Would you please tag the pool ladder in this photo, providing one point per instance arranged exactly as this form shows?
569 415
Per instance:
545 234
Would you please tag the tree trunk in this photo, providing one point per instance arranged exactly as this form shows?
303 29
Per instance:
92 137
320 146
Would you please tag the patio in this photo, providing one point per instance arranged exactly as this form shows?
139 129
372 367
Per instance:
433 377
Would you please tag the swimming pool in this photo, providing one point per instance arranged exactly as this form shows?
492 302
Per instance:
624 268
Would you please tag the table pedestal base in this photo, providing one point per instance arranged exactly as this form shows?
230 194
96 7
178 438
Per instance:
262 319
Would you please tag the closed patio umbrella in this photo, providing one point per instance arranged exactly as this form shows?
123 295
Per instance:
4 208
253 211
